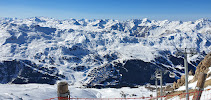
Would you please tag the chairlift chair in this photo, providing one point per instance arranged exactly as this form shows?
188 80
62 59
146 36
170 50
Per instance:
172 75
158 75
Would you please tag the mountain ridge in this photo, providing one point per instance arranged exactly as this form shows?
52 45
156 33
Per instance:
88 44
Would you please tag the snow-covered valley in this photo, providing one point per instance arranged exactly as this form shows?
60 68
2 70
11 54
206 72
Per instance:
96 53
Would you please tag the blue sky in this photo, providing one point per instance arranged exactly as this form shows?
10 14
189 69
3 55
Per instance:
108 9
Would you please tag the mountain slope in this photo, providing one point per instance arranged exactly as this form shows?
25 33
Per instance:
102 52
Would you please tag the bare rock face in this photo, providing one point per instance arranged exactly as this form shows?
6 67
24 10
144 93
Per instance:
178 82
175 85
191 72
209 74
203 66
182 80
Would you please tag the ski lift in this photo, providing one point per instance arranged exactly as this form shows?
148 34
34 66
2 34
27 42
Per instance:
172 75
158 75
165 72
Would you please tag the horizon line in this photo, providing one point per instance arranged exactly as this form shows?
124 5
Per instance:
151 19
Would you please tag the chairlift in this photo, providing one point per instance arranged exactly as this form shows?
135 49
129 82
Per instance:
165 72
172 75
158 75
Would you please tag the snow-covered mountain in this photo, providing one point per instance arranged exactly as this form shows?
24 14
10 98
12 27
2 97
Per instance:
97 53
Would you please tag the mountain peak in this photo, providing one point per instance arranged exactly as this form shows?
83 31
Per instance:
146 20
79 46
202 20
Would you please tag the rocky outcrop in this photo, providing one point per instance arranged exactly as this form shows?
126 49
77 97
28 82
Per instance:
203 66
191 72
181 81
175 85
